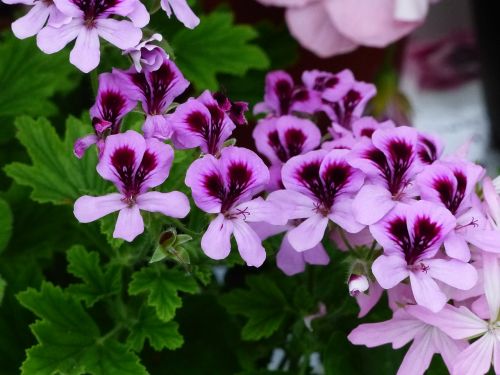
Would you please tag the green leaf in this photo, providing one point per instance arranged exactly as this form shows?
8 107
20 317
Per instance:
97 284
69 340
5 224
163 286
3 284
160 334
56 176
263 304
28 78
217 46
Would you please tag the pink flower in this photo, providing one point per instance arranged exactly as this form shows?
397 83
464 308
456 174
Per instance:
411 236
156 90
358 284
112 104
332 27
42 12
226 187
235 110
391 163
134 165
201 123
461 323
403 328
279 139
319 186
282 96
182 11
146 55
91 19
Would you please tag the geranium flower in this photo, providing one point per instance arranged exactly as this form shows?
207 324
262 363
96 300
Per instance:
411 236
91 20
282 96
403 328
156 90
42 12
112 104
461 323
451 185
182 12
319 186
391 163
134 165
147 55
235 110
226 187
279 139
332 27
201 123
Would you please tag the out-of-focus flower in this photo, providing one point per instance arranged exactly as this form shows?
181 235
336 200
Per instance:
332 27
182 12
147 55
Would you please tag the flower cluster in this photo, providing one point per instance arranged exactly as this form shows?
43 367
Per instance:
332 27
119 22
421 225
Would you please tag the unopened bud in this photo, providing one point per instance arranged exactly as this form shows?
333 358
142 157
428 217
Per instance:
357 284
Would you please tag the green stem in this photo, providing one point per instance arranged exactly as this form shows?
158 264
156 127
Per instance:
179 225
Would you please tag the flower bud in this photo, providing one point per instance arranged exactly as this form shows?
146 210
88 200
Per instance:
357 284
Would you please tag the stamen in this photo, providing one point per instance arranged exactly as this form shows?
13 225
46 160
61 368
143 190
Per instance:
473 223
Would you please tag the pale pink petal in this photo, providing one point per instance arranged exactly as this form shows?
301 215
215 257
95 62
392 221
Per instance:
86 54
82 144
182 12
426 291
51 39
486 240
308 233
419 356
122 34
173 204
368 22
139 15
341 215
69 8
453 272
367 301
262 134
260 210
496 356
88 209
371 196
32 22
216 242
476 359
410 10
249 244
314 30
159 157
316 255
293 204
157 126
456 247
448 348
289 260
400 330
491 272
458 323
389 270
129 224
196 178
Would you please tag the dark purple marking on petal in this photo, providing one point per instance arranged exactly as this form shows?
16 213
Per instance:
162 81
123 160
210 132
425 234
321 83
148 164
112 104
222 100
94 9
239 176
237 112
367 132
427 150
273 140
294 141
214 186
450 197
283 90
401 156
300 95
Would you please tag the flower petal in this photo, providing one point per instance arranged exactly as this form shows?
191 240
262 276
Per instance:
129 224
182 12
491 272
249 244
342 216
51 39
122 34
293 204
308 233
389 270
86 54
156 163
216 242
453 272
426 291
419 356
476 359
88 209
206 183
32 22
289 260
371 196
173 204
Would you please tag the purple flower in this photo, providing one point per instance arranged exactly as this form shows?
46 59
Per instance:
429 148
42 12
403 328
345 109
112 104
282 96
182 11
91 19
280 139
235 110
156 90
319 188
451 185
390 162
201 123
411 236
134 165
226 187
334 86
146 55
